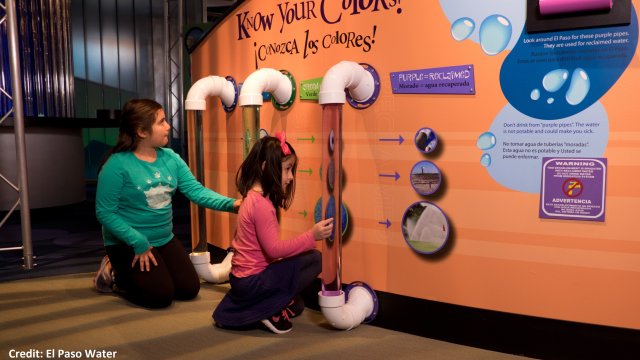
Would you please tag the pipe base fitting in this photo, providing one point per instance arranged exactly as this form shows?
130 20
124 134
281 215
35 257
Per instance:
346 314
374 298
213 273
199 258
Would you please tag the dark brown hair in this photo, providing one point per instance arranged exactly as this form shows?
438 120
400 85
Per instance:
137 114
267 151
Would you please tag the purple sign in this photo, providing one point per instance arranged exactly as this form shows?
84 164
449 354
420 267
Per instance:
443 80
573 188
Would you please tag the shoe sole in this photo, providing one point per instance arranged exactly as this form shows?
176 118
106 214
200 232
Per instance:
270 326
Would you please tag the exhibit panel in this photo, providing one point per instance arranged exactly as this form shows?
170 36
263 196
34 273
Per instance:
492 169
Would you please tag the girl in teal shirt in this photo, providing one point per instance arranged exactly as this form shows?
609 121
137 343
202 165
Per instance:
133 204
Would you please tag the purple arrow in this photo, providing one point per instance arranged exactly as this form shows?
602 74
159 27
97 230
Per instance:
396 175
386 223
400 139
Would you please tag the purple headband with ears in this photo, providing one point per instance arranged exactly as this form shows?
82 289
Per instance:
283 143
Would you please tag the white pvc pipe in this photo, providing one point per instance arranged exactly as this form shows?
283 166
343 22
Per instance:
361 86
213 273
209 86
346 75
265 80
196 100
346 316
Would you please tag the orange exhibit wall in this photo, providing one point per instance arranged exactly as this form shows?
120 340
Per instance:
501 253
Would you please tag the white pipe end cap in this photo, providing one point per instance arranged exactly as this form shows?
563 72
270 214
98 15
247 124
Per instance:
332 97
195 105
250 99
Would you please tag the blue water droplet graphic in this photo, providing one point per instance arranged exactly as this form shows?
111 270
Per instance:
495 33
550 101
535 94
462 28
485 160
486 141
579 87
554 79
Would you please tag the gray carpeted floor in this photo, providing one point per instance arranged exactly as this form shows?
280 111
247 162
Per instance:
63 313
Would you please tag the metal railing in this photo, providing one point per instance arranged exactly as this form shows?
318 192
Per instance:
18 126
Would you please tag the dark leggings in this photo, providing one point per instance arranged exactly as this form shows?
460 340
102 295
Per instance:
310 264
173 279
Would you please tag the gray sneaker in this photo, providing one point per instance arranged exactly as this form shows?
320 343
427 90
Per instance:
103 280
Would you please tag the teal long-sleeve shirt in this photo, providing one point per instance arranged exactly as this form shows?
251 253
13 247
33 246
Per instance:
133 199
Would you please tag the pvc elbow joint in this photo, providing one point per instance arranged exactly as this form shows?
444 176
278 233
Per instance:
346 75
213 273
265 80
210 86
361 307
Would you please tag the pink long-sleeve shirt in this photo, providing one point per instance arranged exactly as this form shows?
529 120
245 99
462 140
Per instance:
257 241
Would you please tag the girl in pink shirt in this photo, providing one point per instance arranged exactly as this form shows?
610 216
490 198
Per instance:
269 273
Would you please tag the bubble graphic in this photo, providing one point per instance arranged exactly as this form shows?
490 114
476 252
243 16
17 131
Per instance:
486 141
535 94
485 160
582 88
579 87
554 79
516 11
495 33
550 100
462 28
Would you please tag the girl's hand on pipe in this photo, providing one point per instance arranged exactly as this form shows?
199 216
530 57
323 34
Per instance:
322 229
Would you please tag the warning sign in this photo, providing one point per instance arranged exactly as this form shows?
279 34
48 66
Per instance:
573 188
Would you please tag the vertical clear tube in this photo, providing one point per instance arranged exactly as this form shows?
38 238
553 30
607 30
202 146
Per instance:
250 127
195 117
332 197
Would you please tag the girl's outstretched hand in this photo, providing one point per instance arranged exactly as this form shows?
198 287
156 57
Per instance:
322 229
236 204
